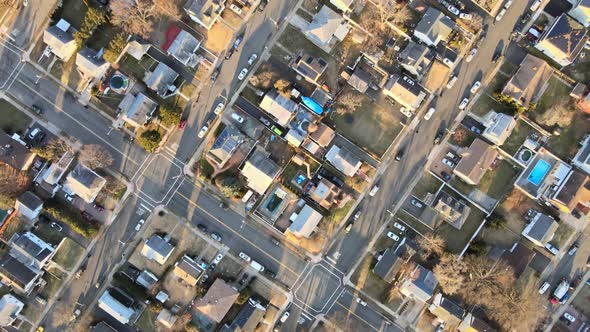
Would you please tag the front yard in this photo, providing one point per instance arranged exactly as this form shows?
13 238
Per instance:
12 119
364 278
457 239
556 92
68 254
427 184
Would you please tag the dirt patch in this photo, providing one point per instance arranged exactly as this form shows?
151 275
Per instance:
179 292
218 38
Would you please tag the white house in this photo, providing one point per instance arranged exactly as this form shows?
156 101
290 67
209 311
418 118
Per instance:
28 205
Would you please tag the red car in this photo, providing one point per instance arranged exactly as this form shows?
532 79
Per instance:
182 124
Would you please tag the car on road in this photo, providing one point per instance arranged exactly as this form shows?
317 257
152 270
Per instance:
237 118
264 121
438 137
218 108
182 123
573 249
243 74
463 104
471 55
496 57
393 236
37 109
453 10
56 226
428 114
217 259
348 228
399 155
139 224
284 317
357 215
202 228
245 257
475 87
508 4
270 273
216 236
399 226
544 287
275 241
257 266
203 131
262 5
416 203
452 82
361 302
466 16
252 58
215 74
374 190
500 14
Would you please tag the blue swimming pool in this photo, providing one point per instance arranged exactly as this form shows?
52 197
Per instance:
539 172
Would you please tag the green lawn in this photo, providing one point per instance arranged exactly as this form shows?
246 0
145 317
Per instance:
486 103
498 82
565 145
68 254
12 119
295 41
146 321
580 71
562 234
48 234
102 36
53 283
427 184
72 11
131 66
556 91
517 137
370 126
495 183
456 239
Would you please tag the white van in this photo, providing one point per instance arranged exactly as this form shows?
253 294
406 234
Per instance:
256 266
544 287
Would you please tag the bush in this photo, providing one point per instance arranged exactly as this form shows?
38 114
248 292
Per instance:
72 217
94 18
170 114
230 186
510 103
150 140
116 46
205 169
496 221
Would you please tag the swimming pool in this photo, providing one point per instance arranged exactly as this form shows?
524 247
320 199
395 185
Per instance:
539 172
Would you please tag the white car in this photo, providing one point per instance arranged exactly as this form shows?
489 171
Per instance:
463 104
399 226
69 198
203 131
284 317
552 249
428 114
472 54
544 287
448 163
139 224
452 82
217 259
219 108
466 16
238 118
374 190
500 14
361 302
416 203
235 9
244 257
453 10
243 74
252 58
508 4
475 87
392 236
569 317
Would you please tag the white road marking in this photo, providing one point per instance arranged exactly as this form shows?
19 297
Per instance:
331 259
339 282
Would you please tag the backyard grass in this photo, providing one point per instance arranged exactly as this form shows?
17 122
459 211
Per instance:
281 54
364 278
579 71
495 182
68 254
519 134
427 184
581 301
370 126
508 68
293 169
565 145
562 234
25 327
48 234
102 36
295 41
146 321
556 91
53 283
249 93
498 82
72 11
486 103
457 239
12 119
131 66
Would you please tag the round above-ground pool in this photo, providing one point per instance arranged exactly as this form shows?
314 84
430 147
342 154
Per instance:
525 155
118 82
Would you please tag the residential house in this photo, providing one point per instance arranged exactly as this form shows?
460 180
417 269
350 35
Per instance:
419 284
279 106
541 229
84 182
405 91
324 135
137 49
166 318
343 160
157 248
416 59
321 97
248 318
188 270
473 324
102 326
360 80
392 260
136 110
275 202
518 257
344 5
563 40
326 28
452 210
30 250
434 27
475 161
49 181
225 145
581 12
217 301
543 175
529 82
60 39
183 49
260 171
14 154
28 205
10 308
499 126
446 310
18 275
572 194
311 68
582 158
325 193
118 305
304 223
204 12
161 80
146 279
91 64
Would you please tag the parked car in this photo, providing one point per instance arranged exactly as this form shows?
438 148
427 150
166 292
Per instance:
182 123
452 82
216 73
69 198
217 259
218 108
463 104
237 117
275 241
35 133
203 131
399 226
500 14
216 236
399 155
393 236
475 87
56 226
361 302
262 5
552 249
573 249
264 121
466 16
471 55
446 176
440 327
284 317
139 224
453 10
476 130
416 203
357 215
428 114
235 9
544 287
374 190
37 109
508 4
243 74
252 58
569 317
348 228
438 137
245 257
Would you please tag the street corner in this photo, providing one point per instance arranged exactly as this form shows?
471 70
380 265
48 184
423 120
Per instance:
317 289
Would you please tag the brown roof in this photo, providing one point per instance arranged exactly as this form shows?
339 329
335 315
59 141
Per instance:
218 300
576 189
14 154
518 258
477 160
324 135
527 84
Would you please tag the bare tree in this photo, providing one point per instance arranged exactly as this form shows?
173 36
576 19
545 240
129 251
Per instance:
431 244
139 16
95 156
517 308
348 102
13 182
475 23
450 273
53 150
263 79
282 87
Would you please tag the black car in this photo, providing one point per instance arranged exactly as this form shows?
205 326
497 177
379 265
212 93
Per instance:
202 228
229 54
399 155
496 56
438 137
214 75
270 273
37 109
262 5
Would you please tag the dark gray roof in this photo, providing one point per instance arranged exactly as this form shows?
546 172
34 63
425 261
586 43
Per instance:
226 144
160 245
543 224
16 271
27 243
13 153
567 35
87 177
360 80
63 36
310 66
518 257
248 317
30 200
425 280
416 55
102 327
388 266
434 23
452 308
146 279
